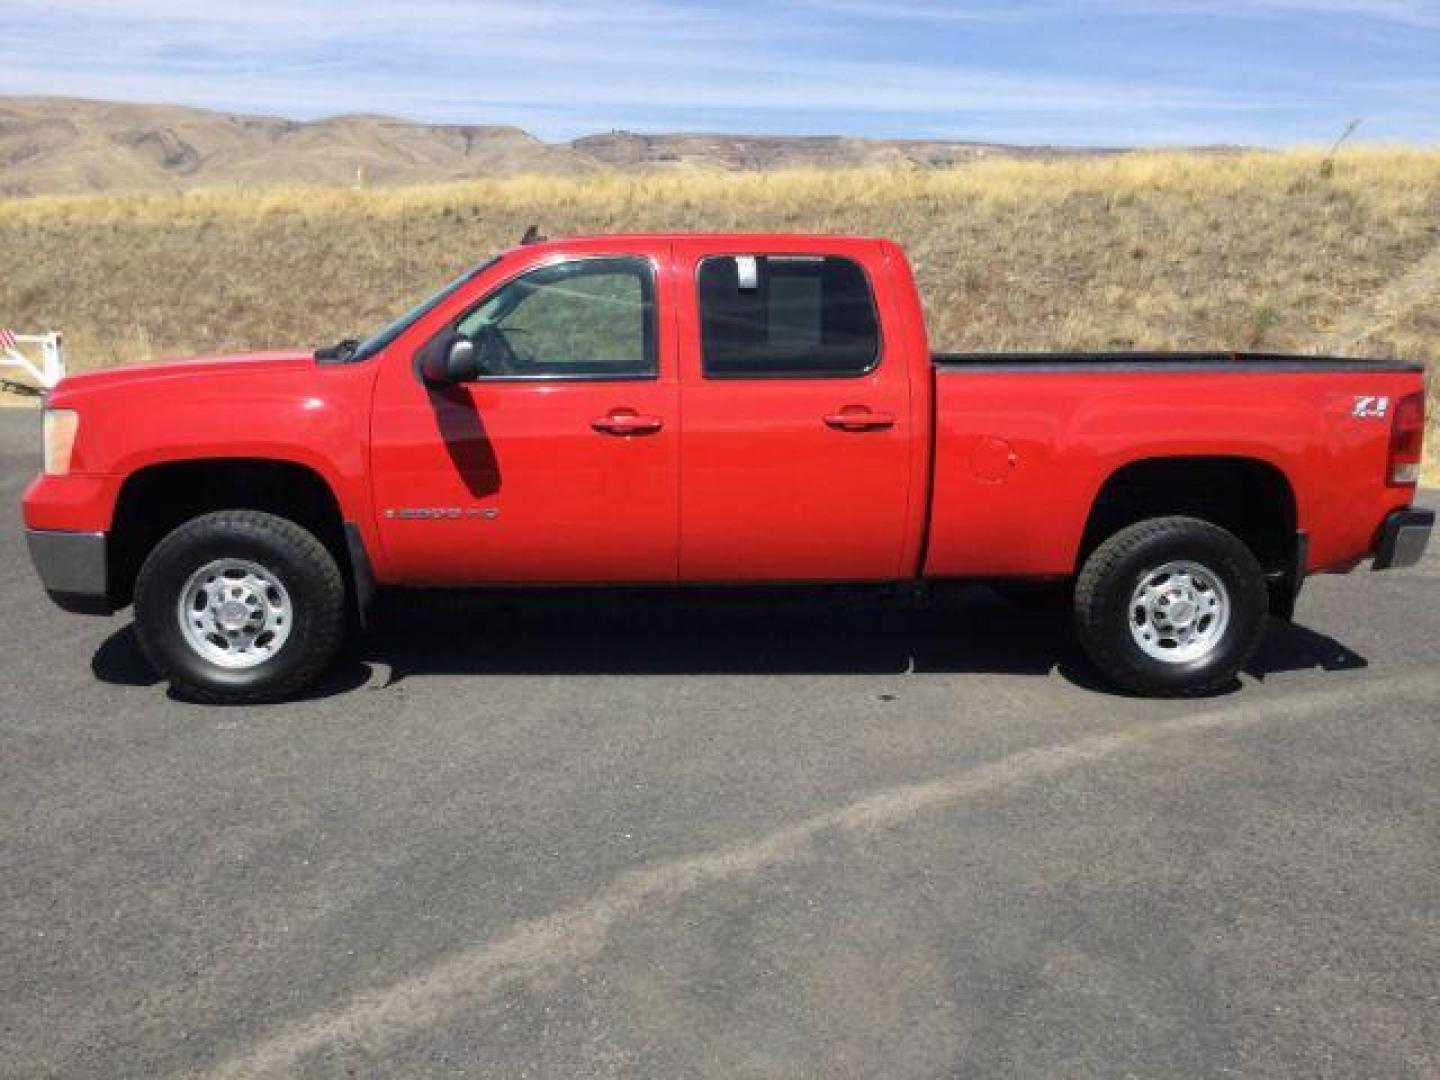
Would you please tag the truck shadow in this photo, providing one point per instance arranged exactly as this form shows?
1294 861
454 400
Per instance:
707 632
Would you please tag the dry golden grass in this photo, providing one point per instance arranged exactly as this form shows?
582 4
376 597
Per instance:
1266 251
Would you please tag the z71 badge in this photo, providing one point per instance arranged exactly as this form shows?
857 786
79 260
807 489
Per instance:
1371 408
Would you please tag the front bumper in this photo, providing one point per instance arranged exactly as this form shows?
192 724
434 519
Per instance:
1403 538
73 567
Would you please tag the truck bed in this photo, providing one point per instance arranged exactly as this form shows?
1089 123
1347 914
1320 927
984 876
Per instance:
1024 443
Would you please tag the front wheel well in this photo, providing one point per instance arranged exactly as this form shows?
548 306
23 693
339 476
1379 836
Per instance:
157 499
1249 498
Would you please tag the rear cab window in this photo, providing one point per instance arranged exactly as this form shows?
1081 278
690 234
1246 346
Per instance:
786 316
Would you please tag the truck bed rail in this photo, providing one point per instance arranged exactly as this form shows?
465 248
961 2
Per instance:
1163 361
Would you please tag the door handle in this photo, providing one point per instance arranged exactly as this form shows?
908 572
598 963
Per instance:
627 422
860 419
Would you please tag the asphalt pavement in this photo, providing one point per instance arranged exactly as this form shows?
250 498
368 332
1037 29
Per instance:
699 836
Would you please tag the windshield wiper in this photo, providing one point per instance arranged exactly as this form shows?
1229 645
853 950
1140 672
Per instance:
339 352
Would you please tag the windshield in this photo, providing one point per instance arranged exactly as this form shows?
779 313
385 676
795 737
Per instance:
382 338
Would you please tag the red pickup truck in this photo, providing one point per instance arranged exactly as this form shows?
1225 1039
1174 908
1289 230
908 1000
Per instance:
721 409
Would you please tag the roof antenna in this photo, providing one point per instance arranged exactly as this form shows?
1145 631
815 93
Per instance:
532 236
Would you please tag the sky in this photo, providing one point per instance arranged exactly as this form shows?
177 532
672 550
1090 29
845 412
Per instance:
1077 72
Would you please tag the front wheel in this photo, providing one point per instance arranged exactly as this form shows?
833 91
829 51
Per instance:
1171 607
240 606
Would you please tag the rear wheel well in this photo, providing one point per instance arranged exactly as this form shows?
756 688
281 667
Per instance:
1250 498
157 499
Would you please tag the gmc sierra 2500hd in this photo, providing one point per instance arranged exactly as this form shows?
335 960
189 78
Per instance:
720 409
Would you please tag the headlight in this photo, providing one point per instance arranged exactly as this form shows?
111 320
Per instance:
59 426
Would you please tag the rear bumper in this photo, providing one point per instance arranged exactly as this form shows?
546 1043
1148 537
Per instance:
1403 538
73 567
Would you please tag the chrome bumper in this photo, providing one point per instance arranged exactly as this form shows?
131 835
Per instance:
73 568
1403 538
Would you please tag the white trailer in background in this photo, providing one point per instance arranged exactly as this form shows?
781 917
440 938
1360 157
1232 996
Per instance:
44 368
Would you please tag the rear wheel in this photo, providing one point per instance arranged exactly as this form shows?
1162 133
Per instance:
1172 606
240 606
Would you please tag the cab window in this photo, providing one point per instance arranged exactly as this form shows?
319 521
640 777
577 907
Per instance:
786 316
586 318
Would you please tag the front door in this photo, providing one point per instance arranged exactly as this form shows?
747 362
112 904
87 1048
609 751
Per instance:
559 463
798 431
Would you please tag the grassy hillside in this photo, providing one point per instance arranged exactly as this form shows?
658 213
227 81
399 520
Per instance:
1273 251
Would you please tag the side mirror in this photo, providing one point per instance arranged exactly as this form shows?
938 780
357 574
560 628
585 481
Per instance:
448 359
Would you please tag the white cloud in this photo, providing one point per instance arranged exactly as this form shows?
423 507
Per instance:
1418 13
563 67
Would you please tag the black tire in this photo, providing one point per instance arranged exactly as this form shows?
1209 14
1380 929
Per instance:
1108 582
304 566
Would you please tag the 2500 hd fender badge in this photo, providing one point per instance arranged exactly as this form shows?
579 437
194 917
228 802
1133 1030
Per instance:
441 513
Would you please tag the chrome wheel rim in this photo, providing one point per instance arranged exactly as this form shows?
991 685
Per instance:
235 613
1179 612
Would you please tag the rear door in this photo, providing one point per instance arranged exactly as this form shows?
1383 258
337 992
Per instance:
796 416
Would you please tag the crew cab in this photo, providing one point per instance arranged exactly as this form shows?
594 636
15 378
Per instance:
679 409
